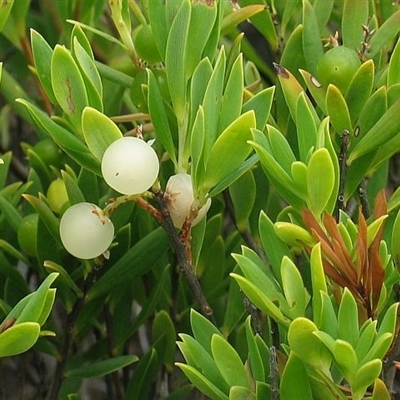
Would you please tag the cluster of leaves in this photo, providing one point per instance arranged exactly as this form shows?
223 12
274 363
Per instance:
284 158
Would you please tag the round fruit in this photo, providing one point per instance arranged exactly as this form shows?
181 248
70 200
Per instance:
85 232
49 152
179 197
27 234
130 165
57 195
338 66
145 45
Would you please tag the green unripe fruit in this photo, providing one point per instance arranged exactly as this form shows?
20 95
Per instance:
145 45
49 152
338 66
57 195
27 234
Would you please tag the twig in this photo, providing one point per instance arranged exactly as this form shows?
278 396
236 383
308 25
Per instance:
181 253
344 142
362 194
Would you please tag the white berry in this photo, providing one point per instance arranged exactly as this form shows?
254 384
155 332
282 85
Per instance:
85 232
179 197
130 165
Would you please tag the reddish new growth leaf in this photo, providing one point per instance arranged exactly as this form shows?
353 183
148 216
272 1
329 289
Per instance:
363 274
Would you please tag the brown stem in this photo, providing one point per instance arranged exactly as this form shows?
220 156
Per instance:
181 254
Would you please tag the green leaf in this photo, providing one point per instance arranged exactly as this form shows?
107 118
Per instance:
260 300
202 20
42 54
64 276
74 147
337 110
367 337
164 336
393 75
243 194
90 75
46 214
318 281
360 88
254 355
175 58
355 15
273 247
197 357
10 212
307 346
241 393
18 338
348 319
388 323
102 368
346 359
203 384
312 45
318 92
231 178
143 377
228 362
238 16
320 180
143 255
261 103
383 131
231 103
35 309
203 329
366 375
158 22
293 287
306 128
293 235
5 8
384 34
99 131
276 174
380 391
159 116
295 371
379 348
233 141
328 320
212 101
68 84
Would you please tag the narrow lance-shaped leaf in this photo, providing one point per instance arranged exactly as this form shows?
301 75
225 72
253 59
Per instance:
354 17
312 45
68 85
42 53
384 34
337 110
228 362
159 116
394 66
175 59
360 88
